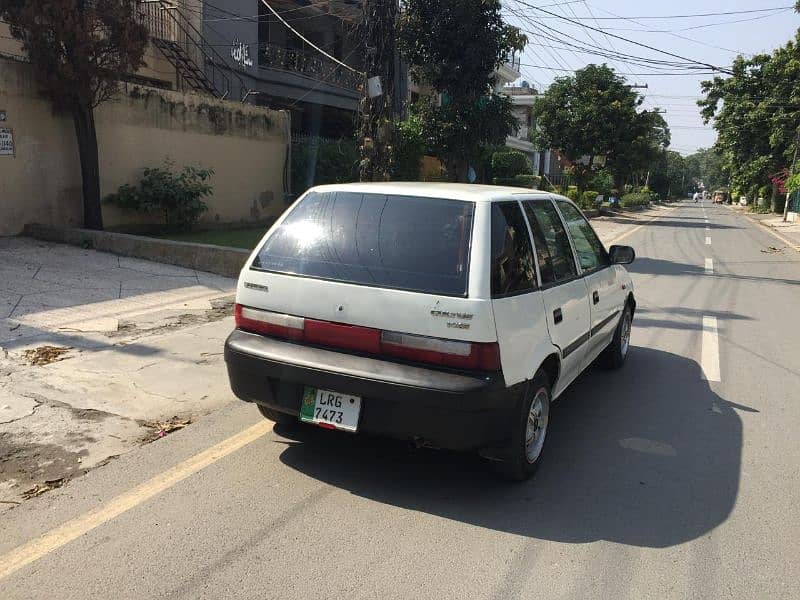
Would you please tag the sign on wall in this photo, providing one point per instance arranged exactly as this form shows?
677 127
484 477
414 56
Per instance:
240 53
6 142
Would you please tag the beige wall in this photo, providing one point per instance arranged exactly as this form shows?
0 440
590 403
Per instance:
245 145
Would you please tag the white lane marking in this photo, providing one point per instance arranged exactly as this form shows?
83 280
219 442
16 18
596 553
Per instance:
708 241
709 266
709 356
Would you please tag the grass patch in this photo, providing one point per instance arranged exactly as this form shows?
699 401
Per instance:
245 238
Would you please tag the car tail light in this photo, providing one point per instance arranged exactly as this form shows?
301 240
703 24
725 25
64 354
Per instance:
269 323
417 348
451 353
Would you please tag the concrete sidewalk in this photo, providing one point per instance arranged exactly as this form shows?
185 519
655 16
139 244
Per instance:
785 232
121 347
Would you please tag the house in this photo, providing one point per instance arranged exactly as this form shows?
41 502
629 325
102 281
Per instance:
546 163
294 60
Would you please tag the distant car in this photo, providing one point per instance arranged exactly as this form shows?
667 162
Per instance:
722 197
448 315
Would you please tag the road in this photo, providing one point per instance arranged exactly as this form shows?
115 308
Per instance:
676 477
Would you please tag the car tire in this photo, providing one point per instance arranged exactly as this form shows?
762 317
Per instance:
523 455
277 416
615 355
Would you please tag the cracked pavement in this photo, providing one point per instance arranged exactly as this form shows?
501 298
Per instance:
145 344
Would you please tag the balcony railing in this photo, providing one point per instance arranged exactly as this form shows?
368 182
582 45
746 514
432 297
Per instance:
311 65
159 23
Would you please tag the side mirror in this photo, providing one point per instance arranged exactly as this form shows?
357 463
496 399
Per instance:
622 255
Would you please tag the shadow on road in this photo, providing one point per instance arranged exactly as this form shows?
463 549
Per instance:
648 456
659 266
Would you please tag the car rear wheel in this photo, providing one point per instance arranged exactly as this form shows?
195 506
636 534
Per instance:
276 415
614 356
524 453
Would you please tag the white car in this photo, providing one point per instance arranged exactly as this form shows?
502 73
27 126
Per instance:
449 315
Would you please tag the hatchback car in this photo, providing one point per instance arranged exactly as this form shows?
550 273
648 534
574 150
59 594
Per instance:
449 315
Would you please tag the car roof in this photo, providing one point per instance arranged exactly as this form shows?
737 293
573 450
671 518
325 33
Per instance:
451 191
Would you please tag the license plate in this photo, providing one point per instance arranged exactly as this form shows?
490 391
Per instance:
330 409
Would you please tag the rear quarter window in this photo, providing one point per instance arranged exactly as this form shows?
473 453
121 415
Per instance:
400 242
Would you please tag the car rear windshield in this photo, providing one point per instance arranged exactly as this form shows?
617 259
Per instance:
399 242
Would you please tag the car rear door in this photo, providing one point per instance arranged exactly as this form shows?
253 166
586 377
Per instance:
516 300
605 292
563 290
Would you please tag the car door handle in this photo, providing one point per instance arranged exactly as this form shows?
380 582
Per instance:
596 297
558 316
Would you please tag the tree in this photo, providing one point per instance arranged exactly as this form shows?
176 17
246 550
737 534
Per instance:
79 49
755 113
594 114
668 176
706 166
455 46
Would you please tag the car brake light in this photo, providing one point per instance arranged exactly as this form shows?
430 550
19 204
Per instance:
417 348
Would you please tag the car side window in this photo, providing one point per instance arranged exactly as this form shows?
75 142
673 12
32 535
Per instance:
591 253
553 251
513 269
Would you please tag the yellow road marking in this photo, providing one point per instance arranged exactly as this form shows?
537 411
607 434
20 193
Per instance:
75 528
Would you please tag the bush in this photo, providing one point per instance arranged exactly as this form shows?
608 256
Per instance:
410 148
603 182
317 161
527 181
588 199
765 191
178 196
636 199
510 164
572 194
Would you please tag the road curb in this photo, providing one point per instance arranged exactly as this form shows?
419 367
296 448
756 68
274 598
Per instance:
220 260
768 229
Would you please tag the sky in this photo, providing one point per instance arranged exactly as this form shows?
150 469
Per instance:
712 40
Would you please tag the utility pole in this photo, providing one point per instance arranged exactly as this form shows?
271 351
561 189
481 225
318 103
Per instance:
791 171
376 115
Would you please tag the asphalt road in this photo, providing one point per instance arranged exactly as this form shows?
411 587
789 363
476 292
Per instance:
659 480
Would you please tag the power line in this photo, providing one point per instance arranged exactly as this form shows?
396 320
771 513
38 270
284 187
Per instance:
672 33
652 48
703 26
580 46
654 74
687 16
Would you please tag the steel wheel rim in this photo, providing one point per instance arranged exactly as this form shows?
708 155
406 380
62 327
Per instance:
626 333
536 426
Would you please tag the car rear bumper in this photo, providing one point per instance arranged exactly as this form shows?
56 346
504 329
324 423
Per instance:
444 409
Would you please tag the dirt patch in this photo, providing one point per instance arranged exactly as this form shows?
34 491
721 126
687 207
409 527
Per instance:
45 355
31 465
160 429
220 309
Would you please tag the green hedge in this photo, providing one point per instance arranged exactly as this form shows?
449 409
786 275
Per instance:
507 165
636 199
318 161
588 198
572 194
528 181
